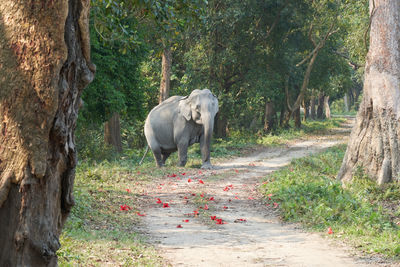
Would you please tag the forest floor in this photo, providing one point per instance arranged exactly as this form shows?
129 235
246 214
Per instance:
219 218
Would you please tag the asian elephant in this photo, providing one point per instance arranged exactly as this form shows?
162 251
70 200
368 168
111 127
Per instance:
179 122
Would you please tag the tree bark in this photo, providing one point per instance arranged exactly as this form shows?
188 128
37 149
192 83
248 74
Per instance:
221 123
320 107
166 73
297 118
269 117
306 110
374 141
327 109
112 132
44 66
312 107
346 100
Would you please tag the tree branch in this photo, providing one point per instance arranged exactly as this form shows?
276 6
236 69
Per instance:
276 20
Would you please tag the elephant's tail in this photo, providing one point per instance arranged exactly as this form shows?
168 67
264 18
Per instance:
145 153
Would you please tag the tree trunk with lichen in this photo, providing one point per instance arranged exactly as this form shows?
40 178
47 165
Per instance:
44 66
374 141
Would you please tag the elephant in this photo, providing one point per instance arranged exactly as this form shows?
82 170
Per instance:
179 122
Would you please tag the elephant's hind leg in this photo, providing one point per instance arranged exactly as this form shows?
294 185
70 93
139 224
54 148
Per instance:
164 156
157 154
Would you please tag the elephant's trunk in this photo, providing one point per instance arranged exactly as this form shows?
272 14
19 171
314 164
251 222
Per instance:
208 124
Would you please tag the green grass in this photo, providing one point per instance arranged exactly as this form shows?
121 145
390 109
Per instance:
97 232
309 194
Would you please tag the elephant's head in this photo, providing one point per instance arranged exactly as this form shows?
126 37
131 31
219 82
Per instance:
201 107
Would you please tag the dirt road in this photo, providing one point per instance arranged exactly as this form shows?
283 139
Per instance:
249 234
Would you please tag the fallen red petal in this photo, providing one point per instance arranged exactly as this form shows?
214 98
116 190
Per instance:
185 220
165 205
211 198
128 190
225 207
138 213
206 207
201 181
196 212
179 226
213 217
202 195
184 173
189 180
159 201
330 231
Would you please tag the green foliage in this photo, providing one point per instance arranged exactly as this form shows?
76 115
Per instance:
308 193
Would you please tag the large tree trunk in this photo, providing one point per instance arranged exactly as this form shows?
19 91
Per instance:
45 64
112 132
166 73
374 141
269 117
327 108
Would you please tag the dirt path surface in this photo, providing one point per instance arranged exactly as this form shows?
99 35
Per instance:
250 233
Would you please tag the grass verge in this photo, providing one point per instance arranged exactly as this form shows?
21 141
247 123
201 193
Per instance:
363 214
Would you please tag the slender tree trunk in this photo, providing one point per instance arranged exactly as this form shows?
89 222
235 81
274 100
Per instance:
269 117
374 141
45 64
327 109
312 107
221 123
166 73
112 132
306 110
346 99
320 108
282 115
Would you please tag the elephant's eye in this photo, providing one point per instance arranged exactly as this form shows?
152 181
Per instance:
197 108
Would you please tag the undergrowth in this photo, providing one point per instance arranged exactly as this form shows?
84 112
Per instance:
307 192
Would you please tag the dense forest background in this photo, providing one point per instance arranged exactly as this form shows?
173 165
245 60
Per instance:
264 60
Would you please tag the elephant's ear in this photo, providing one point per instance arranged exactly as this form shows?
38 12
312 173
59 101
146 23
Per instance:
184 108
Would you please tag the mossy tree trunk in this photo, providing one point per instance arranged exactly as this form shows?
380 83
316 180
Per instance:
44 66
374 141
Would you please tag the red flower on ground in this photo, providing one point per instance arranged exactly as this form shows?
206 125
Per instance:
206 207
330 231
213 217
165 205
236 197
138 213
185 197
202 195
124 207
185 221
128 190
251 198
172 175
211 199
225 207
201 181
184 173
179 226
200 172
236 171
189 180
159 201
196 212
276 205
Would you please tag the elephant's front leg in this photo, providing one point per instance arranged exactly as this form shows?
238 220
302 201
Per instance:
205 153
182 154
